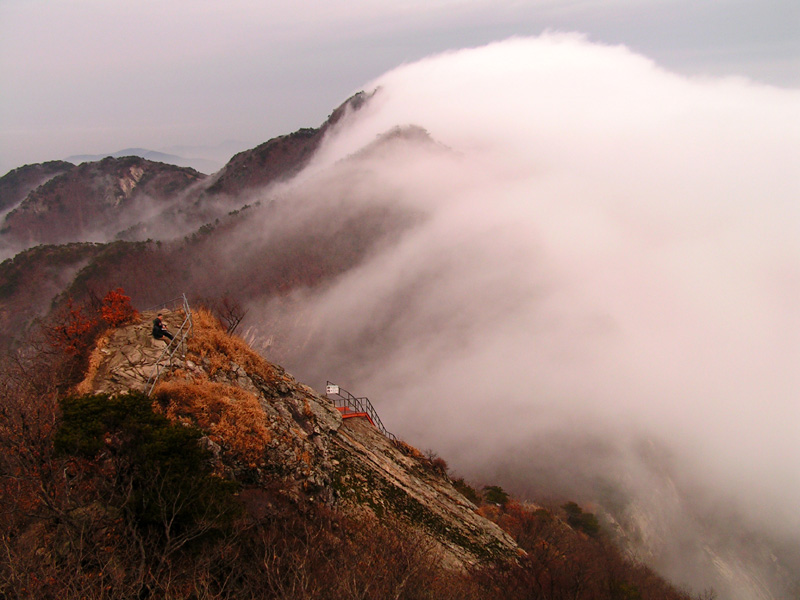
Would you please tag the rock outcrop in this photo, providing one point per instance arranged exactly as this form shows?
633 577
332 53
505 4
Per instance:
372 472
301 438
126 358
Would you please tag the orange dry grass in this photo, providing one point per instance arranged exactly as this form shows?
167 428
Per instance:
212 347
95 360
232 416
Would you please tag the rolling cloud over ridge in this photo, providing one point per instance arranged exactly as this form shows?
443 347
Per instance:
609 257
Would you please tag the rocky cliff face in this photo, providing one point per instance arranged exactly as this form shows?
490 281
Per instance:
375 474
262 424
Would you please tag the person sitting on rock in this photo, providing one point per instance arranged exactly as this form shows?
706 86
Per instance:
160 329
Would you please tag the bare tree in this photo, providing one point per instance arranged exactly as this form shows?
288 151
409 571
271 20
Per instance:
226 308
230 312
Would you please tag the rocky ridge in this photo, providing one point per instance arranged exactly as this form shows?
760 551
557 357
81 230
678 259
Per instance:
320 457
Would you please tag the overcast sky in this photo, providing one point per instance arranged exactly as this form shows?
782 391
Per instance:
92 76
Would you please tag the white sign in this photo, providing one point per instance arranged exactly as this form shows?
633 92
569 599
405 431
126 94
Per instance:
332 389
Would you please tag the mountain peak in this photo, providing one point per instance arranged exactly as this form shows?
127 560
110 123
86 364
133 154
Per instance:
17 184
279 158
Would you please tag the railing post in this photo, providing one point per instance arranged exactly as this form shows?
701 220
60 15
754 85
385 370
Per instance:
179 341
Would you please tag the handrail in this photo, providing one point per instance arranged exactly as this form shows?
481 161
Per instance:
344 399
169 303
178 341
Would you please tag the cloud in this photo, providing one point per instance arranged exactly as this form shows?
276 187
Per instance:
608 262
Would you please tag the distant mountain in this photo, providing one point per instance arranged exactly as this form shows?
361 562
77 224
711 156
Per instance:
218 153
17 184
93 201
203 165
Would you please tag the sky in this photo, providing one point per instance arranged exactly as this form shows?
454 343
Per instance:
203 77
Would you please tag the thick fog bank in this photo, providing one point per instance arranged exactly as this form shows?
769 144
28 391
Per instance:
609 262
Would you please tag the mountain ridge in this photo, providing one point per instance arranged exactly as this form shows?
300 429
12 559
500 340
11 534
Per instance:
200 164
84 202
18 183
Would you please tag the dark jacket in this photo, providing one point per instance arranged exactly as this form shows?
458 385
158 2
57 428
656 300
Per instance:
158 328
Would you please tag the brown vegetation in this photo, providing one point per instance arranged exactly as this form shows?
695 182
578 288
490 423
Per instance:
408 449
227 309
562 562
212 347
232 416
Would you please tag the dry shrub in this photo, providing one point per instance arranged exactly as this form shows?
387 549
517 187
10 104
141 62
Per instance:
491 512
408 449
215 349
320 555
440 465
232 416
116 308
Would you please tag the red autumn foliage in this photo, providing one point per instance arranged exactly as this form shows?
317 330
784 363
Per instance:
70 333
116 308
72 330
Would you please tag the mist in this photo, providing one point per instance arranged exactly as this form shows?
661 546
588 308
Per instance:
599 290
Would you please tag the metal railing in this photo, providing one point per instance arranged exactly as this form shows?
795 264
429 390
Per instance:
178 342
170 304
341 398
